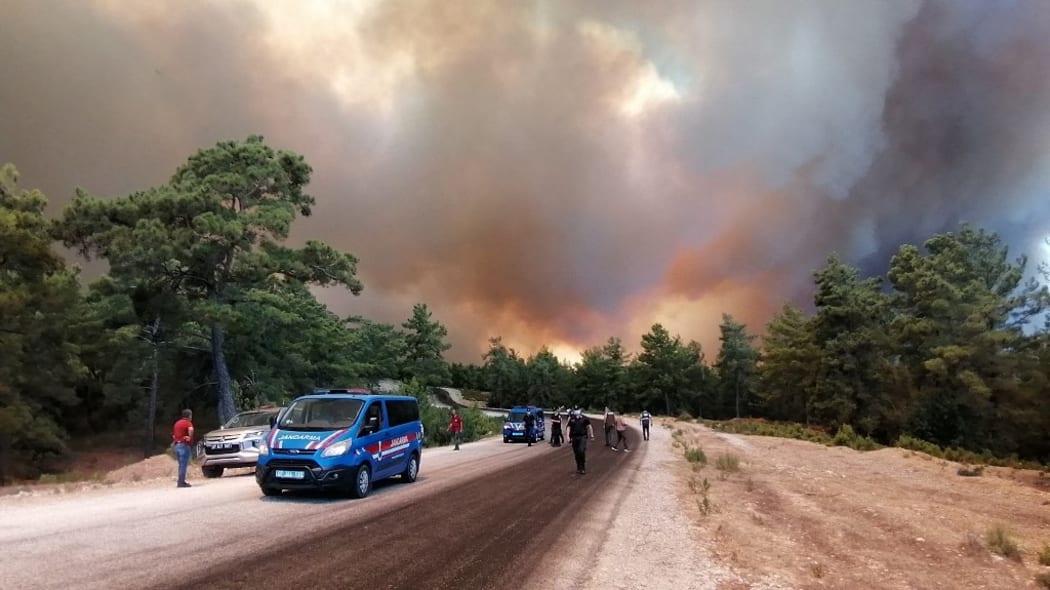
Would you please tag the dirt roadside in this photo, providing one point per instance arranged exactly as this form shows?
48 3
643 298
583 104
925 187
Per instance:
831 517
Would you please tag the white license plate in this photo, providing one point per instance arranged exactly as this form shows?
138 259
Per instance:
290 474
220 446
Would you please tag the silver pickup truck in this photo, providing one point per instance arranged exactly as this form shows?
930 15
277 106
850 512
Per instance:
236 443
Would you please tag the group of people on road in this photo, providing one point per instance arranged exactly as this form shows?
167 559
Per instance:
577 427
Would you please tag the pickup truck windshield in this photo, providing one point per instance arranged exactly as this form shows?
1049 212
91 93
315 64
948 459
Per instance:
250 419
321 414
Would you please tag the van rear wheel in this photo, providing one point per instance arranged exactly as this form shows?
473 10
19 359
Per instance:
411 471
362 483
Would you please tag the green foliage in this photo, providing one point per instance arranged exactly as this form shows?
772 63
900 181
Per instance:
550 381
696 455
727 463
961 306
668 375
210 237
849 329
790 364
846 437
601 377
476 425
475 395
1000 541
505 375
38 362
736 367
424 348
763 428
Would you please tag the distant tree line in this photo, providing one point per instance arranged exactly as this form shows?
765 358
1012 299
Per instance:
204 306
951 347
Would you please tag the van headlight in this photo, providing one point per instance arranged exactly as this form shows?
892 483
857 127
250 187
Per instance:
339 448
263 449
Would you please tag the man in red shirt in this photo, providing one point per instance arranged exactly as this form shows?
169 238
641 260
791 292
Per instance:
182 439
455 428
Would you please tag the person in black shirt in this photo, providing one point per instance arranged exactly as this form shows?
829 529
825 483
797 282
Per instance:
556 437
530 423
579 431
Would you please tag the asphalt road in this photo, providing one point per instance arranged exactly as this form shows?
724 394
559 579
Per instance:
480 518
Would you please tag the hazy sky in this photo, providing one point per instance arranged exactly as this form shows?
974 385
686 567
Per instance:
561 172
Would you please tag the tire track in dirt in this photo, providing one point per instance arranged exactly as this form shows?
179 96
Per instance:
488 532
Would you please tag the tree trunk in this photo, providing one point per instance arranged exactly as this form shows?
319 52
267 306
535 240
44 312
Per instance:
222 373
736 389
667 402
151 404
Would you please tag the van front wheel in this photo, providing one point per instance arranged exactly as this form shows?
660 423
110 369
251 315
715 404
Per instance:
411 471
362 483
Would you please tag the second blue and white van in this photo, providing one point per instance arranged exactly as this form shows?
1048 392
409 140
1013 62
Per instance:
514 425
341 439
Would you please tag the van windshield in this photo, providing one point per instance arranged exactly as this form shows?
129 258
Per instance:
321 414
516 417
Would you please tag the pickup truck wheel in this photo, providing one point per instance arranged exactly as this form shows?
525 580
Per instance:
211 471
362 483
411 471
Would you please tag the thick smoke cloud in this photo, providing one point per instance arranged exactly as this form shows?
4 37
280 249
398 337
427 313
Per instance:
558 173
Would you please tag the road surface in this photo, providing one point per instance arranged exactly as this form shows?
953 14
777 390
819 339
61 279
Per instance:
477 518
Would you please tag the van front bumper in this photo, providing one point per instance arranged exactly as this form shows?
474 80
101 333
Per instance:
302 475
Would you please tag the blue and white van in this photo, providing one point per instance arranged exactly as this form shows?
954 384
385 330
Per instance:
514 425
342 439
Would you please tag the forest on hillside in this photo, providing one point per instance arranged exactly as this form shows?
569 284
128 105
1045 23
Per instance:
204 306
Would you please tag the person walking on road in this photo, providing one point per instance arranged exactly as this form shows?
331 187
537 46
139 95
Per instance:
621 434
455 428
182 440
579 432
556 437
646 419
530 423
610 426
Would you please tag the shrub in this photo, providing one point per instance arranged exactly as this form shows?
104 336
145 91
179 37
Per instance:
999 541
846 437
727 463
975 471
696 455
1043 580
1044 555
475 395
684 417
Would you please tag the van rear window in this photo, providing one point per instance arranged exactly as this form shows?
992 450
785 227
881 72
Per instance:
401 411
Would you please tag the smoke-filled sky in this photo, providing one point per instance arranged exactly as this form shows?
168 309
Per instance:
561 172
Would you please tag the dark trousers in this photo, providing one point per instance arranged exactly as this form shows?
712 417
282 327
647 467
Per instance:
556 438
608 434
621 437
579 450
645 430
